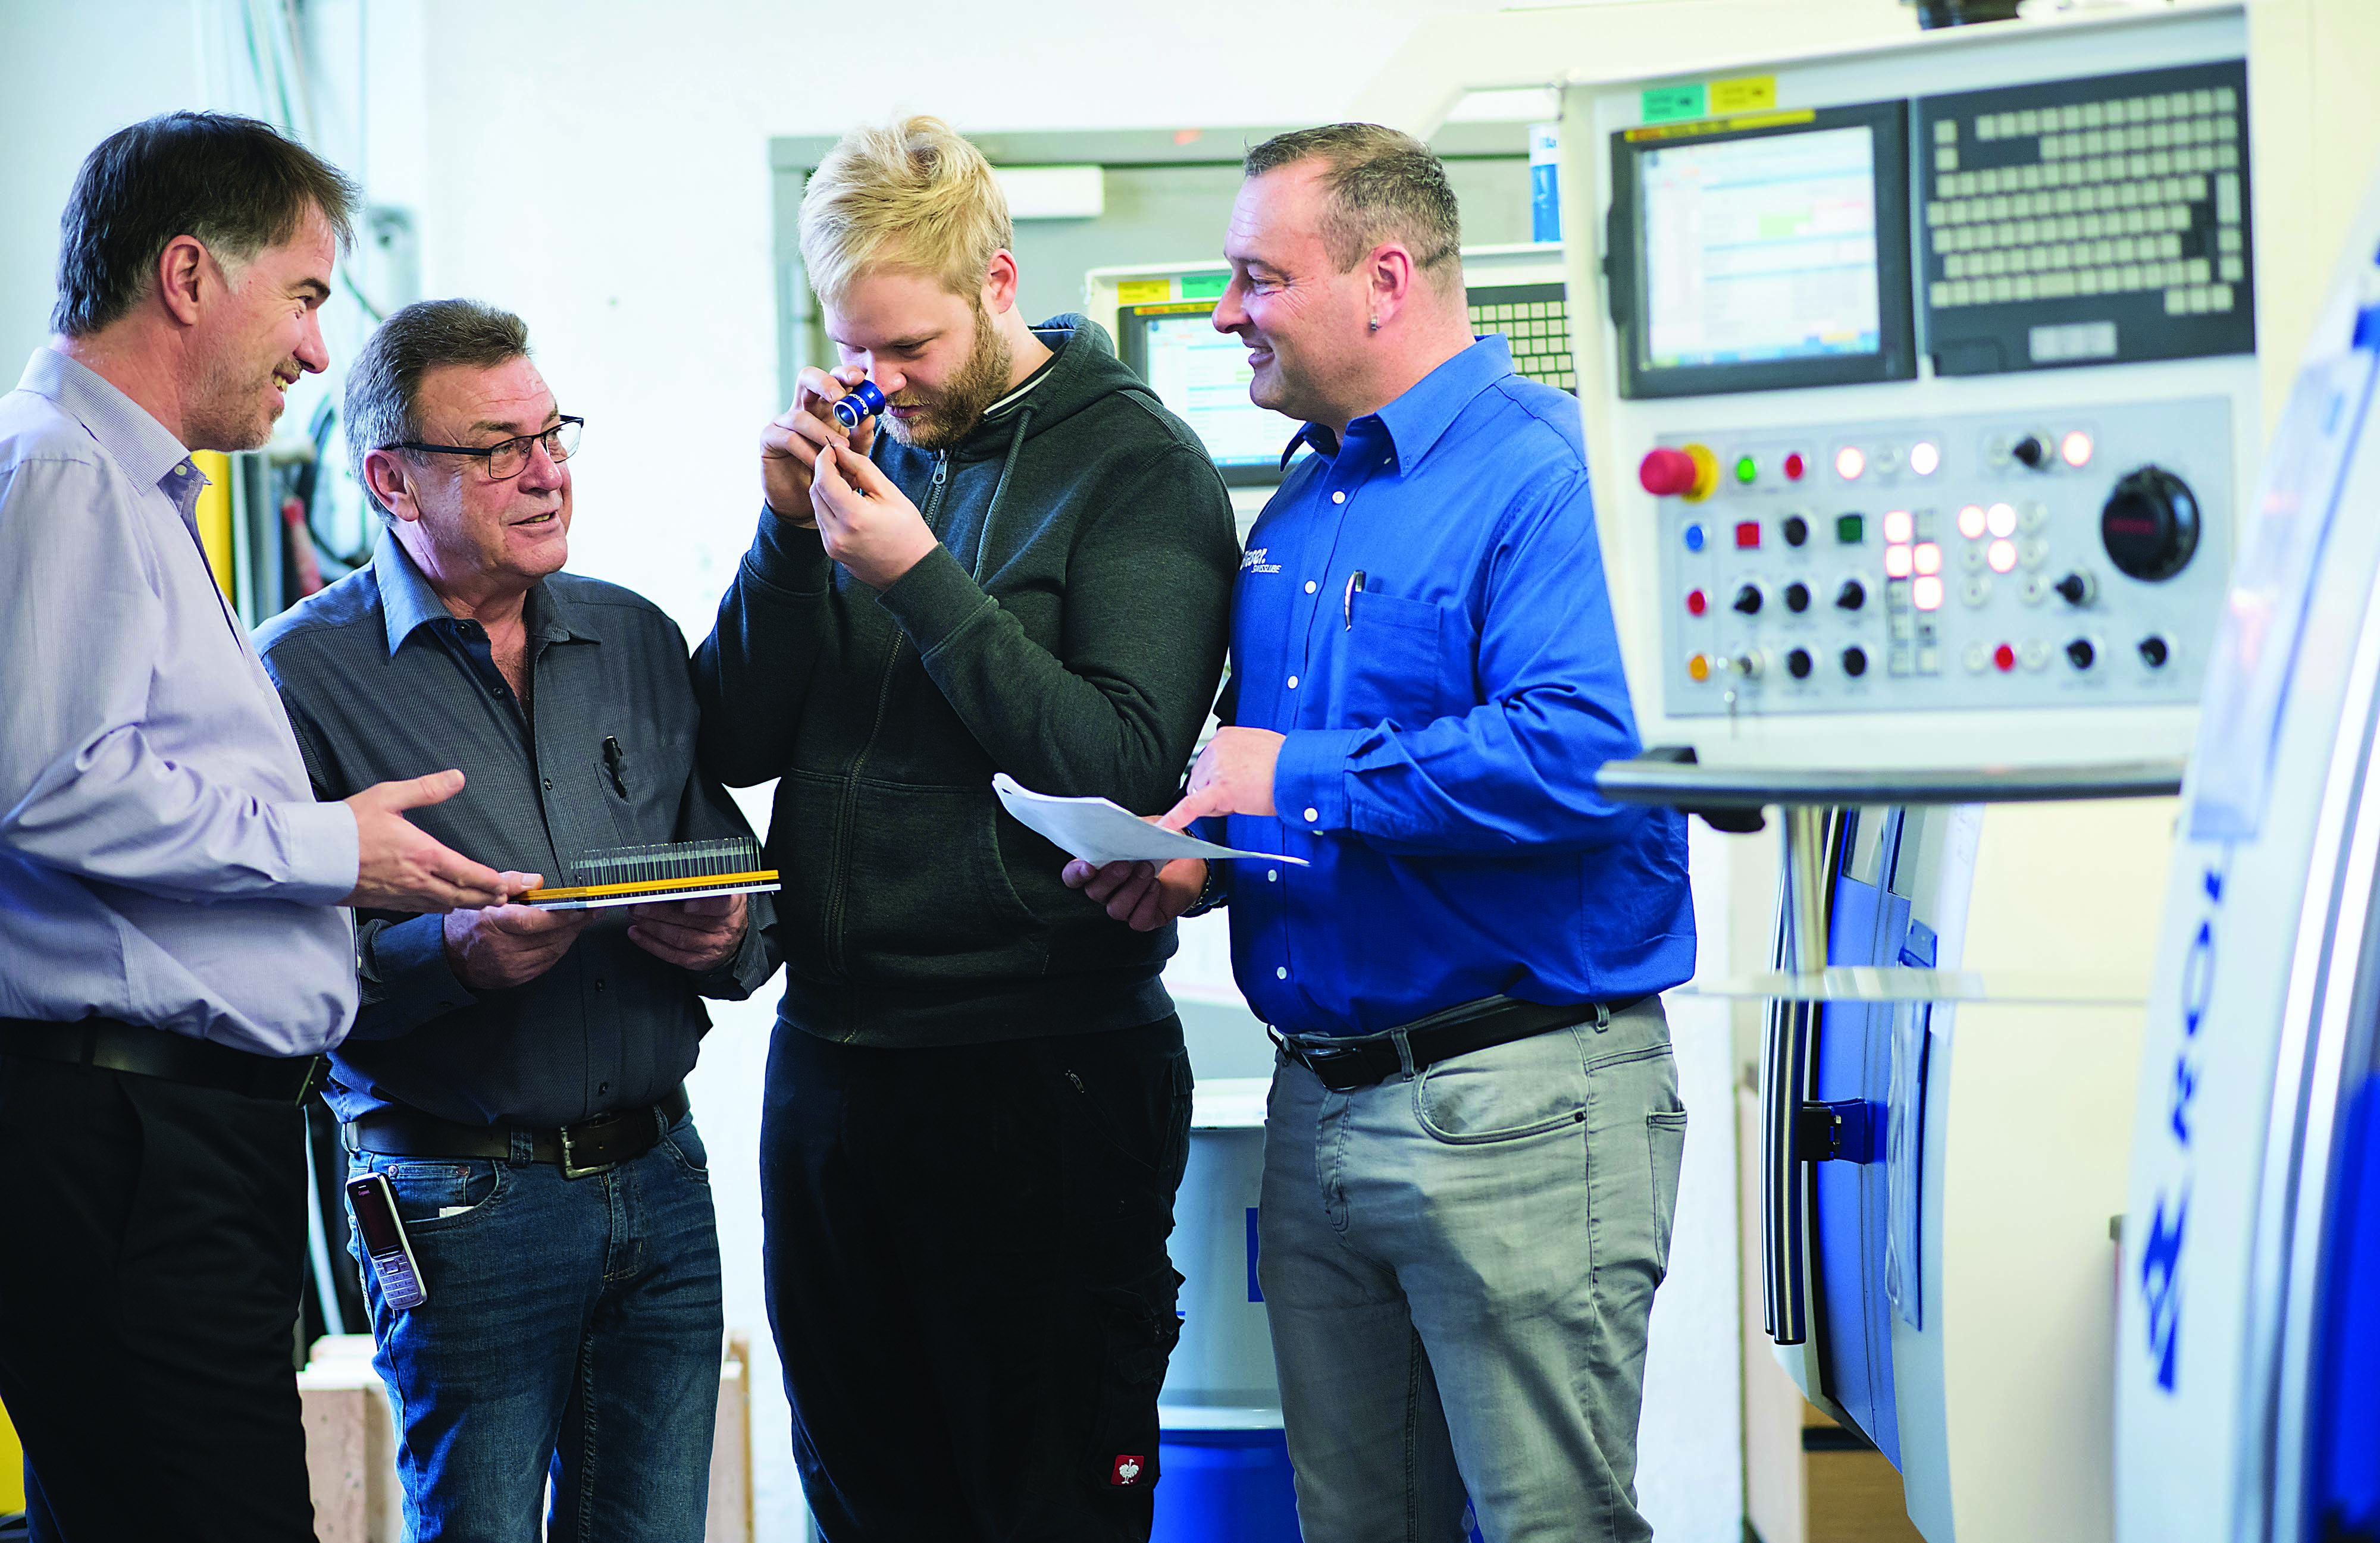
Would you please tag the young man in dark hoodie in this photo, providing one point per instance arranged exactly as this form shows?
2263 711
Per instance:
978 1099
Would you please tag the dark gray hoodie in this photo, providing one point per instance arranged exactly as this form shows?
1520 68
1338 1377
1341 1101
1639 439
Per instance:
1069 629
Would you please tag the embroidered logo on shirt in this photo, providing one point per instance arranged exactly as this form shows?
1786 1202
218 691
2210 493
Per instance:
1252 560
1127 1469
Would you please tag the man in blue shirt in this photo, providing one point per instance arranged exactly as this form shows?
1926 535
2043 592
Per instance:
1472 1140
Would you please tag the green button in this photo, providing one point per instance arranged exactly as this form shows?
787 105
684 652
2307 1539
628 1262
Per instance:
1851 529
1747 470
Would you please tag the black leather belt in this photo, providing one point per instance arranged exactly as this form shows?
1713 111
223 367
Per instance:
1458 1031
591 1146
111 1045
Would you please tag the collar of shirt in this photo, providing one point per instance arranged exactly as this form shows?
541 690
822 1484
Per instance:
1419 419
147 450
406 601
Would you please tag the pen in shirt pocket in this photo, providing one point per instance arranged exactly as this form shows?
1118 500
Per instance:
615 762
1355 583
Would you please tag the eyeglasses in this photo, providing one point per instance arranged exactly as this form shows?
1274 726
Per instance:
507 459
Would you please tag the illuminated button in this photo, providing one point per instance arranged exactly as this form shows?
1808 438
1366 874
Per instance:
2075 450
1928 558
2001 519
1849 463
1895 563
1793 467
1698 670
1926 594
1970 522
1797 530
1925 458
2002 557
1340 497
2005 657
1851 529
1747 470
1898 528
1694 538
1747 535
1696 602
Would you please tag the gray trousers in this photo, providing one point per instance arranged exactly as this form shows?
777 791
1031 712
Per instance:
1458 1266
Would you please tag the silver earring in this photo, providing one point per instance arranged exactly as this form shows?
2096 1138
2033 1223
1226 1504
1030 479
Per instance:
1376 323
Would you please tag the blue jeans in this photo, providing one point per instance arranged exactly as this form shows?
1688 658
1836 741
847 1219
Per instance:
572 1332
1458 1265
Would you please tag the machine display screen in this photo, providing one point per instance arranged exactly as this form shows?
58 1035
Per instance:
1753 254
1203 375
1761 249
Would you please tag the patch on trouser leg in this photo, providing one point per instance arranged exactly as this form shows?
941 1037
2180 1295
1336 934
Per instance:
1137 1332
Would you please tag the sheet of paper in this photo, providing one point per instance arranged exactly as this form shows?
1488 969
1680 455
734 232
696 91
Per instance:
1100 830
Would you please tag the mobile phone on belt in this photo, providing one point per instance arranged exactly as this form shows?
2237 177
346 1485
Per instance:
374 1205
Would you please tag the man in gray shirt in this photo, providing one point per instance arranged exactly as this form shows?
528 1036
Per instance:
171 962
517 1075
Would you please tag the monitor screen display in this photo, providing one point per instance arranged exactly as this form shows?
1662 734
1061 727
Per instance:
1762 249
1203 375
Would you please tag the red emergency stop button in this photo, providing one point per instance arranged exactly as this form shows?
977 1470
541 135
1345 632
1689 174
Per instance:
1690 473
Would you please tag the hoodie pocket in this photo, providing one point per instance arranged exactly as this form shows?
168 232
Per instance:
922 895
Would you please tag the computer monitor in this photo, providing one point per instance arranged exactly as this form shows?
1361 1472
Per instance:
1203 375
1754 254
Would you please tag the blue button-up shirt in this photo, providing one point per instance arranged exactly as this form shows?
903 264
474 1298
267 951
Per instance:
383 682
162 858
1421 611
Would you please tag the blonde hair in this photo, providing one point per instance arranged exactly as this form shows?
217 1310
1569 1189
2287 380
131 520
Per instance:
912 196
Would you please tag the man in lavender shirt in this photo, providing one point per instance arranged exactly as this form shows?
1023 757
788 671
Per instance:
172 959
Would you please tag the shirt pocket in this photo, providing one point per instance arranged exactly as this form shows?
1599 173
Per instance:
1384 662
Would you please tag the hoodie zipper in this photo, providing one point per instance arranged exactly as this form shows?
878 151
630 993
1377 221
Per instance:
847 814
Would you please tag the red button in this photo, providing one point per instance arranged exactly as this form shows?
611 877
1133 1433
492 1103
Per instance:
1793 467
1696 603
1666 473
2004 657
1747 534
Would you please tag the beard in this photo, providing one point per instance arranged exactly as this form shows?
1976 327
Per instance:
233 407
951 414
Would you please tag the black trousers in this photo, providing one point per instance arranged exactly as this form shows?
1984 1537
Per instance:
968 1282
153 1240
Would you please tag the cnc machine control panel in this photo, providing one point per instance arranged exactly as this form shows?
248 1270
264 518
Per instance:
2068 557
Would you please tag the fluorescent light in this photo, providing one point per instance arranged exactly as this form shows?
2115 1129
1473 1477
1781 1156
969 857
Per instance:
1053 192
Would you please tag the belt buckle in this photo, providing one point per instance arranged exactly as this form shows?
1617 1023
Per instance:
570 1164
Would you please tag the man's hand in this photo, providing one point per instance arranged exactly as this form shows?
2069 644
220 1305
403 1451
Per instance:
699 935
508 946
398 868
869 525
1232 775
1141 895
789 446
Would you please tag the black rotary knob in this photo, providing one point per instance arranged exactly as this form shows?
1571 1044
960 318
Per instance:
1747 599
1797 597
1854 662
1797 664
2154 651
1797 530
1852 596
2031 451
2080 653
2150 524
